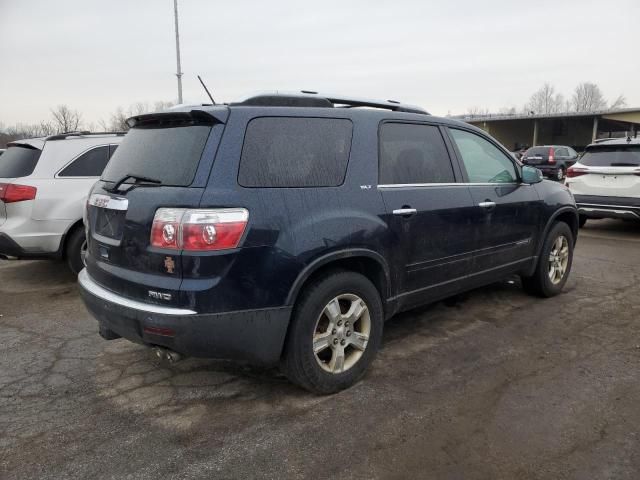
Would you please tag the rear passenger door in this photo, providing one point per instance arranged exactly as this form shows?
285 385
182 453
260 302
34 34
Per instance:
428 212
506 212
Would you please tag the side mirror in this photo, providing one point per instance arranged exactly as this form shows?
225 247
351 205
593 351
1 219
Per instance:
531 175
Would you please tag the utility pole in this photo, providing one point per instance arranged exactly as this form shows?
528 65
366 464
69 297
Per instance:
179 71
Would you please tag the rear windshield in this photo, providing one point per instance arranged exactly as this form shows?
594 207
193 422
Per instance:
537 152
19 161
612 156
169 155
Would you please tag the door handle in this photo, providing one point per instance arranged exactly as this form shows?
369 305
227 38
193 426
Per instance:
487 204
405 212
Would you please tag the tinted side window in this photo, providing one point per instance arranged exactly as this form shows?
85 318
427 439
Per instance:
295 152
89 164
411 153
562 152
112 149
484 162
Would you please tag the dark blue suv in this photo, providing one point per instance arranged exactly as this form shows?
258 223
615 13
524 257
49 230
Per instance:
285 229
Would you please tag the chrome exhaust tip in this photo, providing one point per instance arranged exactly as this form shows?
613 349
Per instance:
166 355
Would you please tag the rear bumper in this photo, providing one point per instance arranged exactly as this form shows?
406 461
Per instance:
10 248
608 207
29 238
256 336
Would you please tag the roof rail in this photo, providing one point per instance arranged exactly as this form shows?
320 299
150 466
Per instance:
63 136
600 140
307 98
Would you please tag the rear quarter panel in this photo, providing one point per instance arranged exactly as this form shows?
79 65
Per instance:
61 198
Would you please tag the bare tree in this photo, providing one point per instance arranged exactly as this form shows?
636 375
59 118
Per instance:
477 111
587 97
65 119
162 105
546 100
118 119
619 102
21 130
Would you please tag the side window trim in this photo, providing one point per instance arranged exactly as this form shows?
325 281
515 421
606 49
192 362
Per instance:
461 165
68 164
457 174
112 149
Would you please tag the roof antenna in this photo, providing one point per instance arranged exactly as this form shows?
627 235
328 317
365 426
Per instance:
206 90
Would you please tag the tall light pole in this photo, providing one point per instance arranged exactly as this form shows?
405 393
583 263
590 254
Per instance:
179 70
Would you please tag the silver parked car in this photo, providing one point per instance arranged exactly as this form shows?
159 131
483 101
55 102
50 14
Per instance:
44 184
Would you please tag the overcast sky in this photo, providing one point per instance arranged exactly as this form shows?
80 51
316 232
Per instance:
446 56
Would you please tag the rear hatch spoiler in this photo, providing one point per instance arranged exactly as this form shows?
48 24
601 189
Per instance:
181 115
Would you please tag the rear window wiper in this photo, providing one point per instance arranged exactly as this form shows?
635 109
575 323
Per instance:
139 179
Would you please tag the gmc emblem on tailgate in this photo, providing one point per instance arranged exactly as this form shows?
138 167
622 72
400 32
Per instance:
159 295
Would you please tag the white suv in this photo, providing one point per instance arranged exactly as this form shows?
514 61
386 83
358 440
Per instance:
44 183
606 180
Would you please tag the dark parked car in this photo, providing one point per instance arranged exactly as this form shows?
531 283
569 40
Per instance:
552 160
285 229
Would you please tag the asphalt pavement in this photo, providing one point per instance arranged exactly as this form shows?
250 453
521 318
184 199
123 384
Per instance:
494 385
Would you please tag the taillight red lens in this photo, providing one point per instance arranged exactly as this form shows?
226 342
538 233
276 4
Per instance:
576 172
11 192
551 156
198 230
165 230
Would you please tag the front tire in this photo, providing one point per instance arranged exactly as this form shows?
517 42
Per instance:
335 332
554 263
76 250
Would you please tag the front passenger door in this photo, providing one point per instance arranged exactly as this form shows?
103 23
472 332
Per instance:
506 213
428 213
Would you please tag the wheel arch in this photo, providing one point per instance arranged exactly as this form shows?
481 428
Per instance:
568 215
366 262
65 237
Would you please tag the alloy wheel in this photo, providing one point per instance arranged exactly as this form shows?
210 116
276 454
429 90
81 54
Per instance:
558 259
342 332
83 252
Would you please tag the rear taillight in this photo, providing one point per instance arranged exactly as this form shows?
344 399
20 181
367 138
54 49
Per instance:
551 156
11 193
198 230
576 172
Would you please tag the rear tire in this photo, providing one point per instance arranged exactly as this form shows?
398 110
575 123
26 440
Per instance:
546 281
75 250
335 332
